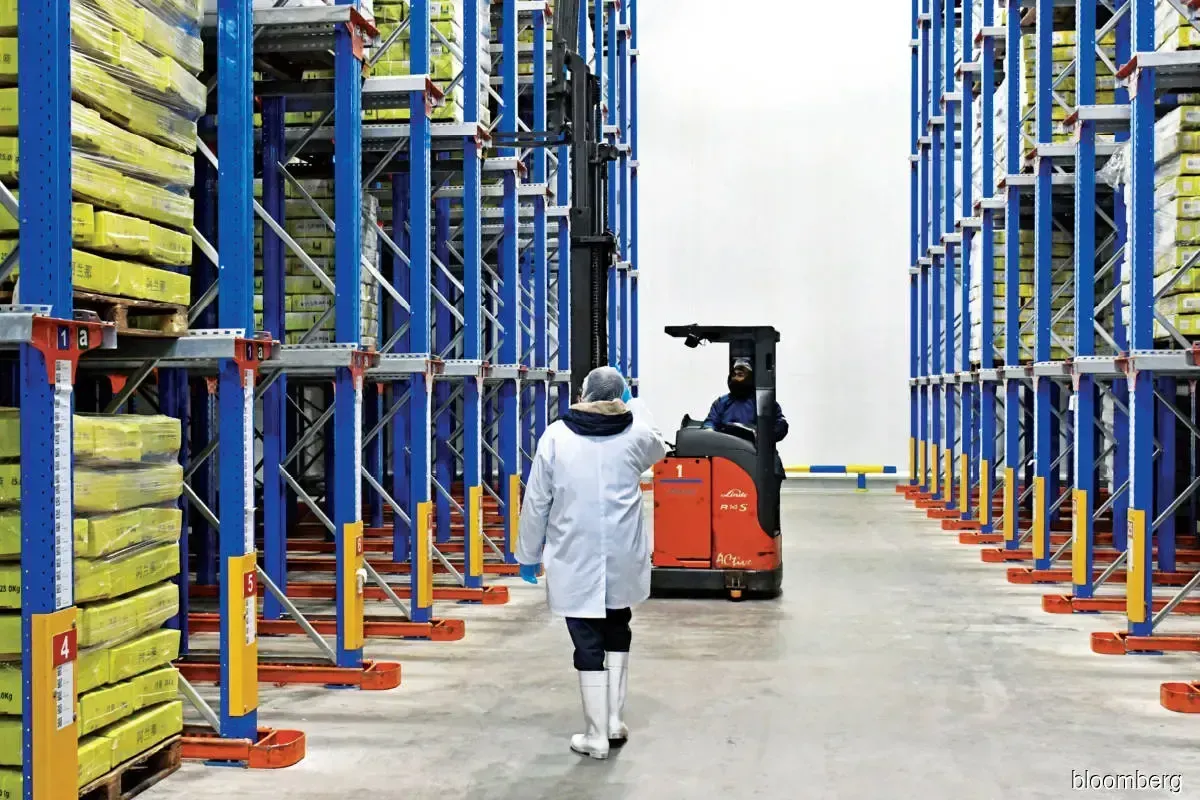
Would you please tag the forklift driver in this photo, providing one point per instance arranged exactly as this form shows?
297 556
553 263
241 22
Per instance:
739 406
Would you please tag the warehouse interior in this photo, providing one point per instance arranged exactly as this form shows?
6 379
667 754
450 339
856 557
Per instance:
299 300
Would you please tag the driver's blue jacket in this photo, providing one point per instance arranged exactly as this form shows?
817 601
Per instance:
728 411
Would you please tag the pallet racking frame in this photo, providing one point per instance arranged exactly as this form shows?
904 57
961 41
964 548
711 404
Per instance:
1090 423
440 420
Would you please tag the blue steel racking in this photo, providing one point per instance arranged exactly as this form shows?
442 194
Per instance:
463 351
1095 423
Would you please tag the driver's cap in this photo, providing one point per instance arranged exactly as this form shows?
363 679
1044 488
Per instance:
744 363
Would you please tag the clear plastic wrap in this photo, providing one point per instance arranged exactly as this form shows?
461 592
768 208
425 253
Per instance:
104 706
95 759
144 730
10 741
158 686
143 653
112 621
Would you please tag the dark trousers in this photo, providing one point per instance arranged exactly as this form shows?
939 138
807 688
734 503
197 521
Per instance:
594 637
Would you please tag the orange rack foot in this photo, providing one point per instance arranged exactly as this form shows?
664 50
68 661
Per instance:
1068 604
487 595
1119 643
927 502
943 513
275 749
961 524
442 630
1183 698
1026 576
371 676
976 537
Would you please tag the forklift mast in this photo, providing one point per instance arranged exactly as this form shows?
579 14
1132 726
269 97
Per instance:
574 114
757 345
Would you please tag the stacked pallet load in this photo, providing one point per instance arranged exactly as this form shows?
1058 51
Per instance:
308 304
1062 295
1177 222
127 482
135 101
1172 31
976 299
1064 102
445 55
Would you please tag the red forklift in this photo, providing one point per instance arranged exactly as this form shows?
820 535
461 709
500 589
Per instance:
716 494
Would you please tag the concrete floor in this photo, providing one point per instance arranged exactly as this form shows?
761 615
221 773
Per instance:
895 666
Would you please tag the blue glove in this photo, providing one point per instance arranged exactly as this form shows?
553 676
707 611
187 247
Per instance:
529 572
625 398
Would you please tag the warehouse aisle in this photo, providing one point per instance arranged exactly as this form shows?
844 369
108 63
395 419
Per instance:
896 666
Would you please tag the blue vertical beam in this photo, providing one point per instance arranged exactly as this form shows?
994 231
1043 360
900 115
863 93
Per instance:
1012 296
967 390
173 401
275 398
235 229
1083 544
347 398
443 335
1164 486
510 290
420 233
538 254
949 272
1043 247
634 274
1120 388
44 105
401 424
608 35
1141 327
204 275
923 246
937 271
472 283
914 253
623 187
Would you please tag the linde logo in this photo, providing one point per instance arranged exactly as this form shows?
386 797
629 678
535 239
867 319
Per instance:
734 493
731 495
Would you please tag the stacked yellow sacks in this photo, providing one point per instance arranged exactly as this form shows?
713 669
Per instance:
1062 293
1176 224
306 299
1063 55
127 482
445 55
977 294
133 131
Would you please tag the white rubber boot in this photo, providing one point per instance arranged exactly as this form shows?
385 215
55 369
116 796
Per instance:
593 687
617 667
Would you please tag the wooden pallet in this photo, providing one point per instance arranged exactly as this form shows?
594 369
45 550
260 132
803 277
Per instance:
136 317
131 317
137 774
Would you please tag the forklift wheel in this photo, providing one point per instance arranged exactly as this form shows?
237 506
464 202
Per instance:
735 595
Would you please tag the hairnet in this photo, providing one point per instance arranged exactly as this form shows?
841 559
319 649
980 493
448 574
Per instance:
603 383
744 363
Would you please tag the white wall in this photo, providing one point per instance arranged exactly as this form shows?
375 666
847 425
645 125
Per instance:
774 190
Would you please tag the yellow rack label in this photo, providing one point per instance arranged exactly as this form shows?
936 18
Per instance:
1010 504
424 595
1079 540
514 512
985 493
55 727
964 485
242 593
949 481
1135 579
934 468
912 458
1040 529
475 532
352 593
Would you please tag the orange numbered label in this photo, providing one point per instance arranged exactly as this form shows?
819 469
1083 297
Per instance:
65 646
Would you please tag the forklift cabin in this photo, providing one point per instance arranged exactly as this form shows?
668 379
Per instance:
716 494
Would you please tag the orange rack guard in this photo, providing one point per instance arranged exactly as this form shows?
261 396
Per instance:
275 749
371 676
1183 698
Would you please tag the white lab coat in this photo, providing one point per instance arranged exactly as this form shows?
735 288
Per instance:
583 503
